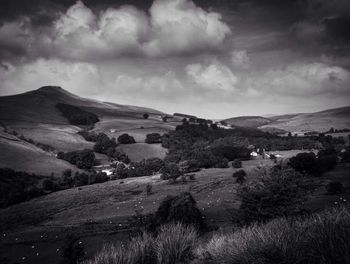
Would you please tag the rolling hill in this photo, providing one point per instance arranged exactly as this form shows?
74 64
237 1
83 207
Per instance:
35 116
338 118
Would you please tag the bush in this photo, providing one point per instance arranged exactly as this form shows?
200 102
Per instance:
148 189
145 116
76 115
126 139
153 138
181 208
334 188
240 176
237 164
319 239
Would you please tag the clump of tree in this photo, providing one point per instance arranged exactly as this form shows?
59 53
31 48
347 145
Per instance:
83 159
105 145
126 139
137 169
170 171
153 138
309 163
272 194
43 146
76 115
17 186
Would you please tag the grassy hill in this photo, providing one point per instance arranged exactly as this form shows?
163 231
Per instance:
35 116
248 121
338 118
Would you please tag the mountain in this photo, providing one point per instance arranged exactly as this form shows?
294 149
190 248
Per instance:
34 116
338 118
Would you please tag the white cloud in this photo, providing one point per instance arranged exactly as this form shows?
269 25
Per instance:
240 59
214 76
71 76
171 27
302 79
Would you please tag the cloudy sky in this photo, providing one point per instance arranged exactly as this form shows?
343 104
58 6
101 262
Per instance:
214 59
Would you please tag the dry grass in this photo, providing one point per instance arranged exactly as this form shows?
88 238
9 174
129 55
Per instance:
174 244
322 238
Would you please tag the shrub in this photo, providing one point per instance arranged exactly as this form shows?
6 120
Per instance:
145 116
175 244
237 164
100 177
240 176
153 138
76 115
148 189
334 188
126 139
181 208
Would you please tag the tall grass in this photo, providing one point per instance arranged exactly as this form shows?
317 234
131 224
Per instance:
320 239
174 244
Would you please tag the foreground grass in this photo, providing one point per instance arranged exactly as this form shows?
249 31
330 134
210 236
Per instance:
322 238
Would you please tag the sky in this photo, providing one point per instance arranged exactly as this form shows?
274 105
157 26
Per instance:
210 58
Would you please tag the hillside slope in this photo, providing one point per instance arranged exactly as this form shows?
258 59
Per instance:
338 118
248 121
35 116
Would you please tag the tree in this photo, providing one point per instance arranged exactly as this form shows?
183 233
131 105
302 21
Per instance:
304 163
181 208
170 171
126 139
145 116
153 138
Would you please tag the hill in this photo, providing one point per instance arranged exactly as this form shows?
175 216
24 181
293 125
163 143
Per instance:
34 115
248 121
338 118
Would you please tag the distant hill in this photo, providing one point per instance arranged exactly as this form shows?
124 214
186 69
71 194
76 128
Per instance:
338 118
35 115
248 121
